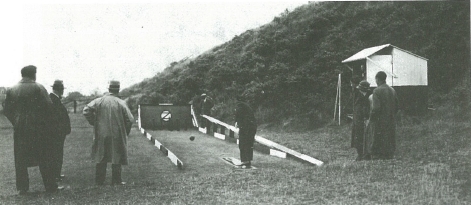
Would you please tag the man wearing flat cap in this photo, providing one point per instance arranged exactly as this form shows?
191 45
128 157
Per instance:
27 107
112 122
247 124
361 111
60 127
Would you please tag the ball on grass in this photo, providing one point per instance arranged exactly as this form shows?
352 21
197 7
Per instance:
192 138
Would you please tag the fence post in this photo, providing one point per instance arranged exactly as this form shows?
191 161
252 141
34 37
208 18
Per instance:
223 130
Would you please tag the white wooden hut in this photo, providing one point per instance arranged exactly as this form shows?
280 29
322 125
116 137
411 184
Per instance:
407 73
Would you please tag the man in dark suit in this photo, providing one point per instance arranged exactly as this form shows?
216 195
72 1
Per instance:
27 107
60 127
245 121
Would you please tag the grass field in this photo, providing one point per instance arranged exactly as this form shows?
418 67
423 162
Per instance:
432 167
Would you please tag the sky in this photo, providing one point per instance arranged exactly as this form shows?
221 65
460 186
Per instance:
88 43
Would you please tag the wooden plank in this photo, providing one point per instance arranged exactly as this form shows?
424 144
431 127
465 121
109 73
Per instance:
268 143
214 120
195 121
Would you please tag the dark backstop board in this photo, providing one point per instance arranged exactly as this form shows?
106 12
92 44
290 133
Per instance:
165 116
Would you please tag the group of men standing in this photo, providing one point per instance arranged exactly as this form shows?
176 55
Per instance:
41 123
373 130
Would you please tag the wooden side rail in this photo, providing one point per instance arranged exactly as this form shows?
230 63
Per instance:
266 142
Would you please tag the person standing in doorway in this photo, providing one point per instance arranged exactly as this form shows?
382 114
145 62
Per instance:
383 115
61 127
112 122
245 121
27 107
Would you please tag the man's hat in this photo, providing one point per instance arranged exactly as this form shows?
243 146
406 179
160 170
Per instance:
58 84
114 85
28 70
203 95
364 85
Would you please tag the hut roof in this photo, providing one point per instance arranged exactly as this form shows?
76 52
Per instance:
370 51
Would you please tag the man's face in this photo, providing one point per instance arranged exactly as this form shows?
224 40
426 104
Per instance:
60 92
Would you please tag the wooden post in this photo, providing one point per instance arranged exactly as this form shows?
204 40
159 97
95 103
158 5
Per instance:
223 130
336 99
340 95
75 106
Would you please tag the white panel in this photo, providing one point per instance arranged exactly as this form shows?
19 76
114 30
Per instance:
220 136
277 153
410 69
379 63
172 157
203 130
157 144
148 136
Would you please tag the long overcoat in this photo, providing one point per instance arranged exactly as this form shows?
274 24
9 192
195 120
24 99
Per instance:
27 107
60 118
383 115
112 119
361 112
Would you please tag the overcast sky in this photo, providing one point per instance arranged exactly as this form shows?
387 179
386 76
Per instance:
88 44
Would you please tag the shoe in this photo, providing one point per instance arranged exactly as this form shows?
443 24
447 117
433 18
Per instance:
59 188
118 183
244 166
247 166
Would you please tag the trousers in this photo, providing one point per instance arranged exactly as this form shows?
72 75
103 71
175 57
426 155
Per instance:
246 141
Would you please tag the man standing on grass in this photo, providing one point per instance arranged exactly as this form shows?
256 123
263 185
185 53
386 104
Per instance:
361 111
206 105
245 121
112 122
383 115
27 107
61 127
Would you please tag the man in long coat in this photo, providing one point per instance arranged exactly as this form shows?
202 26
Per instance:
61 127
27 107
361 111
245 121
112 122
206 105
383 115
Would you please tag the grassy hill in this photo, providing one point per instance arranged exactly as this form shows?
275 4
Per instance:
295 58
